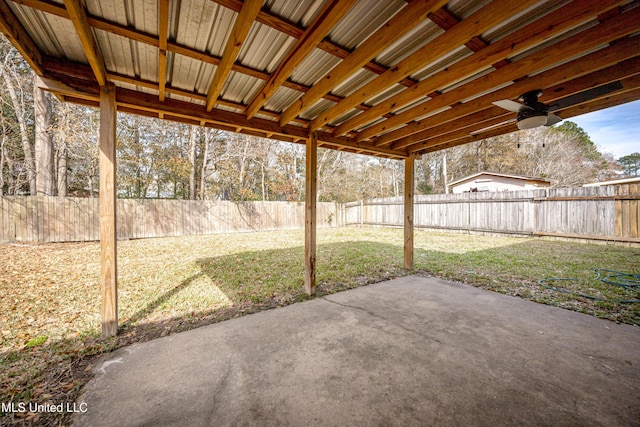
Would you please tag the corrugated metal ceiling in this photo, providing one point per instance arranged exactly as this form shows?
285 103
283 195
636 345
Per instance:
198 31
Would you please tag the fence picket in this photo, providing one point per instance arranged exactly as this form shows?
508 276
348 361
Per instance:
57 219
591 212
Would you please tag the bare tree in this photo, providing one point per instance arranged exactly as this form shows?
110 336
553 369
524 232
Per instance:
17 78
193 137
43 143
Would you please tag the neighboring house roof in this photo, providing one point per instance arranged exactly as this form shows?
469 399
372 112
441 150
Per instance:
634 180
507 175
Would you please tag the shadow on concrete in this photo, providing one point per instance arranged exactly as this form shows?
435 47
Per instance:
254 281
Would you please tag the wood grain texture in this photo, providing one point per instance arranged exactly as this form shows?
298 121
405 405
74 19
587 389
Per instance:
329 16
409 184
538 31
311 183
395 28
78 16
241 27
475 24
608 31
108 241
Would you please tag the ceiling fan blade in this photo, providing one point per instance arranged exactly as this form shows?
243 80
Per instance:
509 105
552 119
586 95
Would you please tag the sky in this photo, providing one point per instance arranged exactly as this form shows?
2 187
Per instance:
614 130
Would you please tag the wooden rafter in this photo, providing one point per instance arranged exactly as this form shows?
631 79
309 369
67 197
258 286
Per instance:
481 130
395 28
296 31
326 19
15 32
240 31
64 71
605 32
482 20
618 52
622 70
163 35
542 29
185 111
517 60
176 48
78 17
607 102
264 17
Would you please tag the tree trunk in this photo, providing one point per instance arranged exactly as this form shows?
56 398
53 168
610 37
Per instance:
205 159
43 143
193 134
2 142
61 156
24 133
444 173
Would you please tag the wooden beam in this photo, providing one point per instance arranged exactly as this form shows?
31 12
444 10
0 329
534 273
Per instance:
408 211
629 93
163 35
324 22
177 48
482 20
592 38
401 23
241 27
108 250
620 52
19 38
311 183
293 30
78 17
551 95
78 88
544 28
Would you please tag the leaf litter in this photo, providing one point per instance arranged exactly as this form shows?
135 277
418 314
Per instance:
51 292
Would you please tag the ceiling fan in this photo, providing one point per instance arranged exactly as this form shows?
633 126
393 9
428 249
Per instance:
533 113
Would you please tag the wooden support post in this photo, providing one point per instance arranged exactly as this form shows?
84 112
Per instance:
408 212
310 215
108 252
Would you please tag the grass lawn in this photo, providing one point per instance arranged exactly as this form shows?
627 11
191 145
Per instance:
50 305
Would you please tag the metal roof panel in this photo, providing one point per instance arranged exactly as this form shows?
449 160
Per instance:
363 20
56 36
314 67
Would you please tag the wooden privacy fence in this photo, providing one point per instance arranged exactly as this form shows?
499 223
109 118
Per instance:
601 213
74 219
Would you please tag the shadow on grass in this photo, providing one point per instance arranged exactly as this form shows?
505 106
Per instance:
252 281
272 278
257 280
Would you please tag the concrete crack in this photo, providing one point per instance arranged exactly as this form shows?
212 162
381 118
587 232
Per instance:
376 315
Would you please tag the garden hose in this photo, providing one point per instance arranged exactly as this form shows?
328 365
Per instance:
628 281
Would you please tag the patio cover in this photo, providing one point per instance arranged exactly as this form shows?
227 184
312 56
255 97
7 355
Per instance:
388 78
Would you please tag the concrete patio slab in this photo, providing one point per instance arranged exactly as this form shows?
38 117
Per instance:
410 351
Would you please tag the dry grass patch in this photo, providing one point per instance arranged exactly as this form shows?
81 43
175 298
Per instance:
50 305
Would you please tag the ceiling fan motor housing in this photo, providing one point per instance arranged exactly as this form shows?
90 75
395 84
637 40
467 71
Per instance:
530 99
